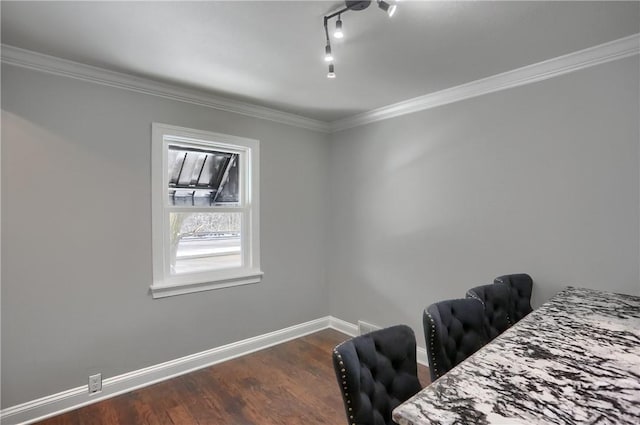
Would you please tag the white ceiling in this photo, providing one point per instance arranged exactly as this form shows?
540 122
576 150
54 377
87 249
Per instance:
271 53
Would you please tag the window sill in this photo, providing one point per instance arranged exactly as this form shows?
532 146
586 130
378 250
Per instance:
170 290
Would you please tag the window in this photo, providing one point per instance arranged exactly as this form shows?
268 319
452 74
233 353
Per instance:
205 211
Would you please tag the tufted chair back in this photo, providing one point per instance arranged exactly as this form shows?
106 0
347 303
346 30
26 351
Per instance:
521 286
453 330
376 372
497 305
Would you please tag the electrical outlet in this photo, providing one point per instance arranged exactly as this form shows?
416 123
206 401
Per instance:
95 383
365 328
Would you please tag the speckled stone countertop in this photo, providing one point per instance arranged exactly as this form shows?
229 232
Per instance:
575 360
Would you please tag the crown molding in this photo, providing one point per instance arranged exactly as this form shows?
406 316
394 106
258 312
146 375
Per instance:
53 65
581 59
602 53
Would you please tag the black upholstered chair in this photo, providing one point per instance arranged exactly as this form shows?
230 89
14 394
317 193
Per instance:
521 286
376 372
497 305
453 330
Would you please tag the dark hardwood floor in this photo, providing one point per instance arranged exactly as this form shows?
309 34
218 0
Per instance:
288 384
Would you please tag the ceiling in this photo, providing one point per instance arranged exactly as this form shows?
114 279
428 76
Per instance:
270 53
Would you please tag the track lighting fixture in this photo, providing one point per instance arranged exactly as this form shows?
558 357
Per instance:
389 7
331 73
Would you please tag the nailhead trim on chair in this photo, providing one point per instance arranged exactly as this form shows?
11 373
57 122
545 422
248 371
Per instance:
432 350
347 396
471 294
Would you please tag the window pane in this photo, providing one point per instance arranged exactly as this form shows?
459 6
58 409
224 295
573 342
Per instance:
204 241
202 177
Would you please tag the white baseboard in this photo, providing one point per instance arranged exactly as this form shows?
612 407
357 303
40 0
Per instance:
55 404
422 356
74 398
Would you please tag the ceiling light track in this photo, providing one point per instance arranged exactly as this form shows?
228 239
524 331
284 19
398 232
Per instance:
389 8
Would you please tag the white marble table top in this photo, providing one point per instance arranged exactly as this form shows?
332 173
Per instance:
575 360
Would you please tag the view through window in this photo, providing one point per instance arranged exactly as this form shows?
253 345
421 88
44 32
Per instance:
204 241
200 240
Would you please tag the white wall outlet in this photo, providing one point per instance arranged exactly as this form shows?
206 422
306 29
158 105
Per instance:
365 328
95 383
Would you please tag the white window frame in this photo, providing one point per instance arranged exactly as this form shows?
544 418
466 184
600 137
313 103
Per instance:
164 283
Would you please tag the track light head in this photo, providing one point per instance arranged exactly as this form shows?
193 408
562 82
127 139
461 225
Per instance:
331 73
338 32
328 57
389 8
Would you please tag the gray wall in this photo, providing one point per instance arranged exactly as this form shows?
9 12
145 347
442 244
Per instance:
76 235
540 179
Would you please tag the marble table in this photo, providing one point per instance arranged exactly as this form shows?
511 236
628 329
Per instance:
575 360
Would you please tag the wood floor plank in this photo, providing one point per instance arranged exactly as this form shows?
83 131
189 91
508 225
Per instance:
180 415
288 384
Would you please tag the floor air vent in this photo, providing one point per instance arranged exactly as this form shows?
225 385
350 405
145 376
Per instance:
365 328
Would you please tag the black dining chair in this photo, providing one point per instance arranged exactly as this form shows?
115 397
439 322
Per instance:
376 372
497 305
453 330
521 287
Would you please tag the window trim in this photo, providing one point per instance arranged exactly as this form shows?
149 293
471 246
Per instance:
165 285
